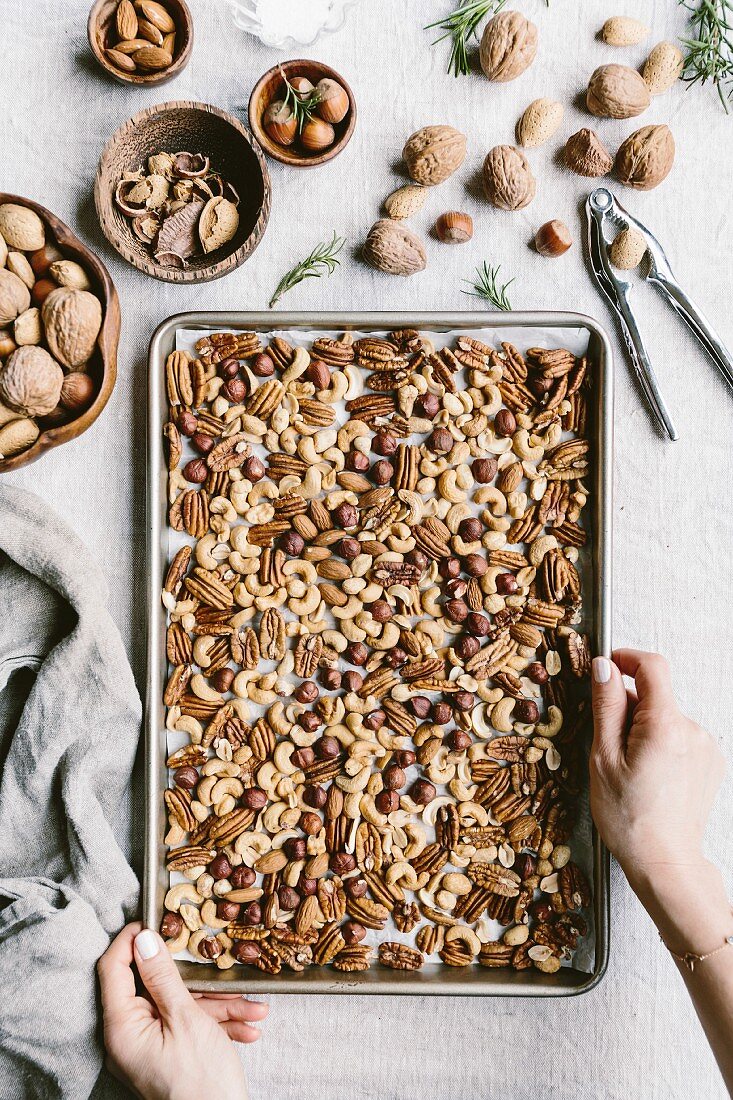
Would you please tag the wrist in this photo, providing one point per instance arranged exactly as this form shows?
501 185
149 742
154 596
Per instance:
686 901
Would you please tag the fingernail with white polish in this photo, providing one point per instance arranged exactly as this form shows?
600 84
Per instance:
601 670
146 944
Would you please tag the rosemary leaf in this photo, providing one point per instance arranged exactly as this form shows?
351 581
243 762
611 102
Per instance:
321 261
485 285
301 105
709 51
460 26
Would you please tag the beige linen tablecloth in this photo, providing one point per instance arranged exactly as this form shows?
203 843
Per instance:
635 1036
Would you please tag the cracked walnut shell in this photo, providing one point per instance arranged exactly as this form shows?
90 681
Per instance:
508 46
508 179
30 382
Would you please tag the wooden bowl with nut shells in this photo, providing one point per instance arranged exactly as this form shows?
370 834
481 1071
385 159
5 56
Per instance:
102 367
197 128
266 90
101 31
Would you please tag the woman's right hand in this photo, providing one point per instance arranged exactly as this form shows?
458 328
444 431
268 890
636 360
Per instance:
654 772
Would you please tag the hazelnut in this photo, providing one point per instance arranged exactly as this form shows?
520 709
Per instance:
484 470
310 823
457 588
262 365
186 778
289 898
467 647
309 721
475 565
327 748
526 710
315 796
381 611
456 610
202 442
420 706
306 693
553 238
295 848
331 678
375 719
317 135
341 863
357 461
428 405
187 423
227 910
252 914
464 700
346 515
459 740
196 471
540 386
454 227
222 680
394 778
396 657
470 529
171 926
449 567
384 443
280 123
353 932
333 104
524 865
418 559
303 758
506 584
387 801
77 391
537 673
246 951
41 290
442 713
242 877
235 390
404 758
349 548
292 543
357 653
422 792
352 680
211 948
228 368
356 887
318 373
382 472
440 441
253 469
505 423
541 911
220 867
478 625
254 798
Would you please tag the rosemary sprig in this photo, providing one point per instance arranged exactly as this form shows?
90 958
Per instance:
486 286
301 105
321 261
460 26
710 52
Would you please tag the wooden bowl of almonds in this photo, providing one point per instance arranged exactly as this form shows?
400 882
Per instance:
183 192
143 42
59 329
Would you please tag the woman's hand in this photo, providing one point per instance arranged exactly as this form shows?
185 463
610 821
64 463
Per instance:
174 1046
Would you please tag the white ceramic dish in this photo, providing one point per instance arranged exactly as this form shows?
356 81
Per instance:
265 19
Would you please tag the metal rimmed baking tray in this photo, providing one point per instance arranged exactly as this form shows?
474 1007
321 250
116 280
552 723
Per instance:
433 978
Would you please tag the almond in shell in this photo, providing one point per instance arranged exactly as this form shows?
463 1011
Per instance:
663 67
16 436
405 201
540 122
218 223
622 30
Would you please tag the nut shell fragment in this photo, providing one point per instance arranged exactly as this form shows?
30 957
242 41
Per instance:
179 233
218 224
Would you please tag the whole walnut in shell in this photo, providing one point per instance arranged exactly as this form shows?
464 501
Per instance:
646 157
30 382
508 179
508 46
15 297
21 227
72 320
615 91
393 248
434 153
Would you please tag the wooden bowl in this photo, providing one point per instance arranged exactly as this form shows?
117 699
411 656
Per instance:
197 128
100 27
266 90
103 364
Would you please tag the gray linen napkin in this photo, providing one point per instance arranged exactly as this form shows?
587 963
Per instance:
68 736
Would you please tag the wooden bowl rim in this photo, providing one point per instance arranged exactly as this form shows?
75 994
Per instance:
271 147
103 200
148 80
107 340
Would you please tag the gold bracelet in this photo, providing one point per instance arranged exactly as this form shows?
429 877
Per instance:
690 959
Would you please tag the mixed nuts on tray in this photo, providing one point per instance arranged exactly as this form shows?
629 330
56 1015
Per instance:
49 324
378 671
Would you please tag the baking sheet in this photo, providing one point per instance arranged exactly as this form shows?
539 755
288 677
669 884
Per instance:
576 338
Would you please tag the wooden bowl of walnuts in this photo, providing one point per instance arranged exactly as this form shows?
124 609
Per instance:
144 42
303 113
59 329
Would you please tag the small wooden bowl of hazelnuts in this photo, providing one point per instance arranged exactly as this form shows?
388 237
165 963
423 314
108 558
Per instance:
303 113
